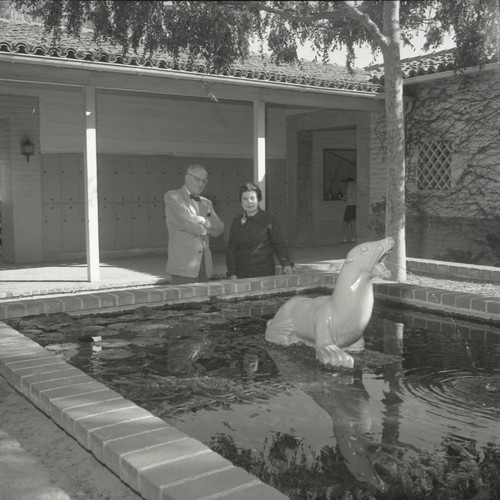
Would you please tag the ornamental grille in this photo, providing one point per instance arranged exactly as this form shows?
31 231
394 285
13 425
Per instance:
434 166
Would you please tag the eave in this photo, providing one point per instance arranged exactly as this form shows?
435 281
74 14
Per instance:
40 70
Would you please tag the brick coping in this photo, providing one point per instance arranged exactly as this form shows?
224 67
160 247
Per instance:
460 304
438 300
155 459
120 299
449 270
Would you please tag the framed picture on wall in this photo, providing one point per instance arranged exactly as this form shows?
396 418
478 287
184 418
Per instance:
337 165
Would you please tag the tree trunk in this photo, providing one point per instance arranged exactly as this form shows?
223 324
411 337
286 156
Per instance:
395 219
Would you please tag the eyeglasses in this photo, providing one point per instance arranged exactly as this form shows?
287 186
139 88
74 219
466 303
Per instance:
199 179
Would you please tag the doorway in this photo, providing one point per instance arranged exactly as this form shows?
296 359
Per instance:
338 164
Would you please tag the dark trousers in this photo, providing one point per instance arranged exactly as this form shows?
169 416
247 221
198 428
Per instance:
201 278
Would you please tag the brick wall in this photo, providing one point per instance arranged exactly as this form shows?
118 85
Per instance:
458 239
304 183
464 110
312 222
327 216
131 208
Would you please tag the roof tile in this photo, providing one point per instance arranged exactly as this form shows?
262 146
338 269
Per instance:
21 37
436 62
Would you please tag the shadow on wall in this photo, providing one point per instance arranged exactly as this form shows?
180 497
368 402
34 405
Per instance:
454 239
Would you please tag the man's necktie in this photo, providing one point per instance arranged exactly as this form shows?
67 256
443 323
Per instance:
195 198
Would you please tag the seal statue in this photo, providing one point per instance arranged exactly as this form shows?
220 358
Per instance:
336 322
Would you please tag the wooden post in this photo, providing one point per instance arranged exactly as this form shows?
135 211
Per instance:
259 147
90 181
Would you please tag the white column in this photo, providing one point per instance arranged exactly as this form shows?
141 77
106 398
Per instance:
259 147
90 181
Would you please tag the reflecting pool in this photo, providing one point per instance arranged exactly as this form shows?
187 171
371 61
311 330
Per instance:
418 417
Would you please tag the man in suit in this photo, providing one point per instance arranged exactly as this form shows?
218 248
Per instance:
191 220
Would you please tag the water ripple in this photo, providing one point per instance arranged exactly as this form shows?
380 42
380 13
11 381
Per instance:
457 402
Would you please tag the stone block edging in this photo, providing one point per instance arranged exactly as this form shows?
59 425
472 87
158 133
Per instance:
155 459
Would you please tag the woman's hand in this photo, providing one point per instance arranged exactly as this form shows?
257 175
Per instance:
287 270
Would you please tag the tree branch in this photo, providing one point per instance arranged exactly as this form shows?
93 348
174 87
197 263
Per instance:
285 13
354 13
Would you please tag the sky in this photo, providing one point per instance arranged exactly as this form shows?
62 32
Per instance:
364 57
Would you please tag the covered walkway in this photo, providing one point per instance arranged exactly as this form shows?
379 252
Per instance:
70 277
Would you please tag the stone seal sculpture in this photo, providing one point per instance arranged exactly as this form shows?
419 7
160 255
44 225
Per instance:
335 324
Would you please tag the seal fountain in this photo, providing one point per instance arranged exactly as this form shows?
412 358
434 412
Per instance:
335 324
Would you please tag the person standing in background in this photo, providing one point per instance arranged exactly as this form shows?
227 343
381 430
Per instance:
255 238
191 220
349 221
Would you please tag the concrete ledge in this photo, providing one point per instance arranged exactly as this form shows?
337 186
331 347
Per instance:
153 458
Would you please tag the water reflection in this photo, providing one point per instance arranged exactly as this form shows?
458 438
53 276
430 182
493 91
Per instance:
345 399
439 391
393 336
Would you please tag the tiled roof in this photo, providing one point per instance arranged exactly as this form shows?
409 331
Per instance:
437 62
20 37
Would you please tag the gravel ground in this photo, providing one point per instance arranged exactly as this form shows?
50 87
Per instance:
39 461
481 288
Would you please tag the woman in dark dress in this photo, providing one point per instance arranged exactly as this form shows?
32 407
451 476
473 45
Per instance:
255 238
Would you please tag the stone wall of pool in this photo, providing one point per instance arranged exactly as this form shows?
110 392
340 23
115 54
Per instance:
153 458
449 302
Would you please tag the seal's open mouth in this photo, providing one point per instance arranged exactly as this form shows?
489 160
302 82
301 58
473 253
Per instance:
380 268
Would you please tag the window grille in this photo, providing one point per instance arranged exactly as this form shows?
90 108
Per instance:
434 166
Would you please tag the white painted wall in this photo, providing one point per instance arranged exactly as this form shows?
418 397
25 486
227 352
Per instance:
130 123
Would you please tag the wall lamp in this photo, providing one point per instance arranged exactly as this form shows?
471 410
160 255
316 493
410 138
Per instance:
27 148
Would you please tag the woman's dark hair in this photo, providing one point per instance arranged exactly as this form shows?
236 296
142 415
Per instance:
248 186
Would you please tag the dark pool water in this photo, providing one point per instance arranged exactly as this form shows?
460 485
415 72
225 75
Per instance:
418 417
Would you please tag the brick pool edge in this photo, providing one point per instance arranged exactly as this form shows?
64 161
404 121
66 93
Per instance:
155 459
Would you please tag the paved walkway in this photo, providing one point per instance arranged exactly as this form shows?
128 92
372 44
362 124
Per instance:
70 277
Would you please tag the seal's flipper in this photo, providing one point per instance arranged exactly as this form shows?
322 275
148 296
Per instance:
281 332
357 346
334 356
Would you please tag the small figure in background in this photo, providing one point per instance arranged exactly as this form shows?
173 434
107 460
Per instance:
255 238
191 220
349 221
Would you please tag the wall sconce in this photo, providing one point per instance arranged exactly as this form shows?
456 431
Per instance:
27 148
